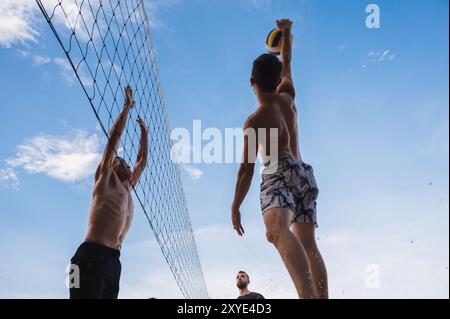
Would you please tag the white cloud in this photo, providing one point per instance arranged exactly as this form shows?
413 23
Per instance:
70 158
73 21
40 60
20 19
193 172
380 56
16 22
68 73
9 179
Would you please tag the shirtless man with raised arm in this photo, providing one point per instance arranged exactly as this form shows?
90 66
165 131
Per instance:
111 214
289 190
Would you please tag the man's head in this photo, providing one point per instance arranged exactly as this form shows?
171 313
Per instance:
242 280
122 169
266 73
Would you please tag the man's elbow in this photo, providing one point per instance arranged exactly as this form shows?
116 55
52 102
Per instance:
247 169
142 163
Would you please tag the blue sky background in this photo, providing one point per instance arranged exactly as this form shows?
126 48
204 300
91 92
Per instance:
374 127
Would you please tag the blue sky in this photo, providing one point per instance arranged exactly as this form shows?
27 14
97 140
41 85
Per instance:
373 122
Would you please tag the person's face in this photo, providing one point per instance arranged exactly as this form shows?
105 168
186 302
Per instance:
122 169
242 280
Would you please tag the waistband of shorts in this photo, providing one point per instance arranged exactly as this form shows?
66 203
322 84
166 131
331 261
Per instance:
284 159
100 248
281 163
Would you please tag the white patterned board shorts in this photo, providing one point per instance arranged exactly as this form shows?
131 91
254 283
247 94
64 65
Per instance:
291 184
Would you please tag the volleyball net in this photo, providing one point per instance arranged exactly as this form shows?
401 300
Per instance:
108 45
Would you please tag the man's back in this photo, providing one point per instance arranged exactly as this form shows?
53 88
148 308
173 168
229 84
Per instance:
278 112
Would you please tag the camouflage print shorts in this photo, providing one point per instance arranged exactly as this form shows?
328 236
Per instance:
291 184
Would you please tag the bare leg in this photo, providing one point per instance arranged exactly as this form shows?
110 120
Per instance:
306 235
291 251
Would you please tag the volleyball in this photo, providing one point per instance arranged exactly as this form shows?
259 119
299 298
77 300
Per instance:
275 40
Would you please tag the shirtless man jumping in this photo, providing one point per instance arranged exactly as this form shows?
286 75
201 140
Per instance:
289 190
111 214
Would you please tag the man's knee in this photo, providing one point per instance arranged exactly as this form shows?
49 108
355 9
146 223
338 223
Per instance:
274 234
277 224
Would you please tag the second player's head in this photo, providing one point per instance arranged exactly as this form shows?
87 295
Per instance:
266 73
242 280
122 169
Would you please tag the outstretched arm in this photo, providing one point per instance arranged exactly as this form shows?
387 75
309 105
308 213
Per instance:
142 157
245 176
287 85
115 133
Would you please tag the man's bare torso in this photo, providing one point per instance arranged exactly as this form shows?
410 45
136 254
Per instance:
278 112
111 212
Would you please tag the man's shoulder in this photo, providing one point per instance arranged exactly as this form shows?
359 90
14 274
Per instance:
253 119
258 296
103 171
287 102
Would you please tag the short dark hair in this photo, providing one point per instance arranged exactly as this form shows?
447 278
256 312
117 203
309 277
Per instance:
122 160
267 72
243 272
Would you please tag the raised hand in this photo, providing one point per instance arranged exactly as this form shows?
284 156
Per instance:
142 125
284 24
129 102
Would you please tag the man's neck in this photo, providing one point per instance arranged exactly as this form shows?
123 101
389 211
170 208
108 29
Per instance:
265 97
244 292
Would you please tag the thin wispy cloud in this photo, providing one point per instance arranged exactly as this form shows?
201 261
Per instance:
41 60
69 76
9 179
257 4
378 57
65 69
193 172
386 55
70 158
156 7
38 60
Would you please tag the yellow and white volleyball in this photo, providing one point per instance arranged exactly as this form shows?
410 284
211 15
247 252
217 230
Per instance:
275 40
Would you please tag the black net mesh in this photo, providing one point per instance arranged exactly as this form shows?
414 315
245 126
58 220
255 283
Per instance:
108 45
